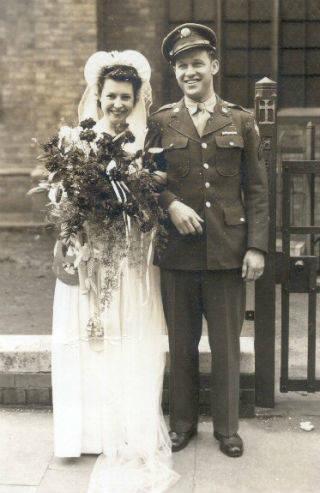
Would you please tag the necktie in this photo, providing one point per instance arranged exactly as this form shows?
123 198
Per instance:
201 117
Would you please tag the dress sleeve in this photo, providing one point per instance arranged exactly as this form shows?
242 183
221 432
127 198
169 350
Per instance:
154 139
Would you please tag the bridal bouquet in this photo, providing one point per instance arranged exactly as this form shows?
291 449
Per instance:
101 195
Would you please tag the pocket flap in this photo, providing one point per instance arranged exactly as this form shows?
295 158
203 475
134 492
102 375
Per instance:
170 142
234 215
229 141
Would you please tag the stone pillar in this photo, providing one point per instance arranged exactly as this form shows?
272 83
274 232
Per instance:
265 289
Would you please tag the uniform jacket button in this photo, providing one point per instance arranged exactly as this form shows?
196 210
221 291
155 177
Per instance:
207 184
206 166
204 145
208 204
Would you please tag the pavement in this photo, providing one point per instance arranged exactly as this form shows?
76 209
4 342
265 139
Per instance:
279 456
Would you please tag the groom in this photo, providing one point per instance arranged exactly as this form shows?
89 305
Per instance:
216 197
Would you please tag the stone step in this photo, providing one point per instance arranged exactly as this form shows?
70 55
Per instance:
14 186
32 354
21 220
25 372
18 209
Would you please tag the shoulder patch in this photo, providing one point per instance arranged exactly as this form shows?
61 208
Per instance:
252 125
237 107
164 107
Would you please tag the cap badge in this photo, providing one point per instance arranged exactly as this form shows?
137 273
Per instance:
185 32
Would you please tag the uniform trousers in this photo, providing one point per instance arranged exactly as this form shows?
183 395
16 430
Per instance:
220 297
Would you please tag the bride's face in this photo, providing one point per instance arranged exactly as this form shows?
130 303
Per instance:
117 100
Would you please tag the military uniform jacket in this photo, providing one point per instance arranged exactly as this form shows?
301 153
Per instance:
220 176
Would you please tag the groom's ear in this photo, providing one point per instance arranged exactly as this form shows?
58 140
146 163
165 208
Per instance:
215 66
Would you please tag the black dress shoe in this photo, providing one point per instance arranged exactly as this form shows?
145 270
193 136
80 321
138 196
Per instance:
230 446
180 440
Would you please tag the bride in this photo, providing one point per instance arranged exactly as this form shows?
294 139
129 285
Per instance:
107 392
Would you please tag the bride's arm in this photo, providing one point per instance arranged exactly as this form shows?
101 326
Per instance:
153 146
154 141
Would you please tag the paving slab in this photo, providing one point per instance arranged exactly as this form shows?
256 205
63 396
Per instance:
278 458
17 489
25 446
74 480
184 463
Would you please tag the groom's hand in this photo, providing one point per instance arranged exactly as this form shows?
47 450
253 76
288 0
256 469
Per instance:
185 219
253 265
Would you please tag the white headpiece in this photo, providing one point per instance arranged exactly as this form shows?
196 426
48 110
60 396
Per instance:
88 105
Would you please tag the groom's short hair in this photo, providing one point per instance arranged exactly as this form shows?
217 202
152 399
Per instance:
212 54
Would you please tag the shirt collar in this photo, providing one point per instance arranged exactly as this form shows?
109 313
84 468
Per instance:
193 105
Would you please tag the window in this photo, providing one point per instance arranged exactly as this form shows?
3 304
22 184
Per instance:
299 57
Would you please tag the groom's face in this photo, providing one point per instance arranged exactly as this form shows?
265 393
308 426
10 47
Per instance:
194 72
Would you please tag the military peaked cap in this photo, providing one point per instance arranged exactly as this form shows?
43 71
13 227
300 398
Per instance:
186 37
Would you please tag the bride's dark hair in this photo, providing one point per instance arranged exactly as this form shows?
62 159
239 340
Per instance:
120 73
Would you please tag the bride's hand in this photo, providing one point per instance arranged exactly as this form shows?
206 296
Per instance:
160 177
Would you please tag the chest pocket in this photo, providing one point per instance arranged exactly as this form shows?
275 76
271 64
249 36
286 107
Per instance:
228 154
176 153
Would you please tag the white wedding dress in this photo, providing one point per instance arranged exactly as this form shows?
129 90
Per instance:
107 393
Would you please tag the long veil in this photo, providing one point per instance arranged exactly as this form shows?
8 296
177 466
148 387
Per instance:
136 447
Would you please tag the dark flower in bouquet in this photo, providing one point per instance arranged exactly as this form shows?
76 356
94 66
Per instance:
105 142
88 135
51 144
87 123
93 181
128 137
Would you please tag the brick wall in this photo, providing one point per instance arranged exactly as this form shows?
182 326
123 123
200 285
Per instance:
26 389
34 390
44 46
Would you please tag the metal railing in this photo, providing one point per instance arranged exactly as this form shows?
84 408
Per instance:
299 275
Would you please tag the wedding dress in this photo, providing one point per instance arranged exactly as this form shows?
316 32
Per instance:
109 400
107 394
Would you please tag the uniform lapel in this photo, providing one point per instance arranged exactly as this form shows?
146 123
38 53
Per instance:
219 119
181 121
